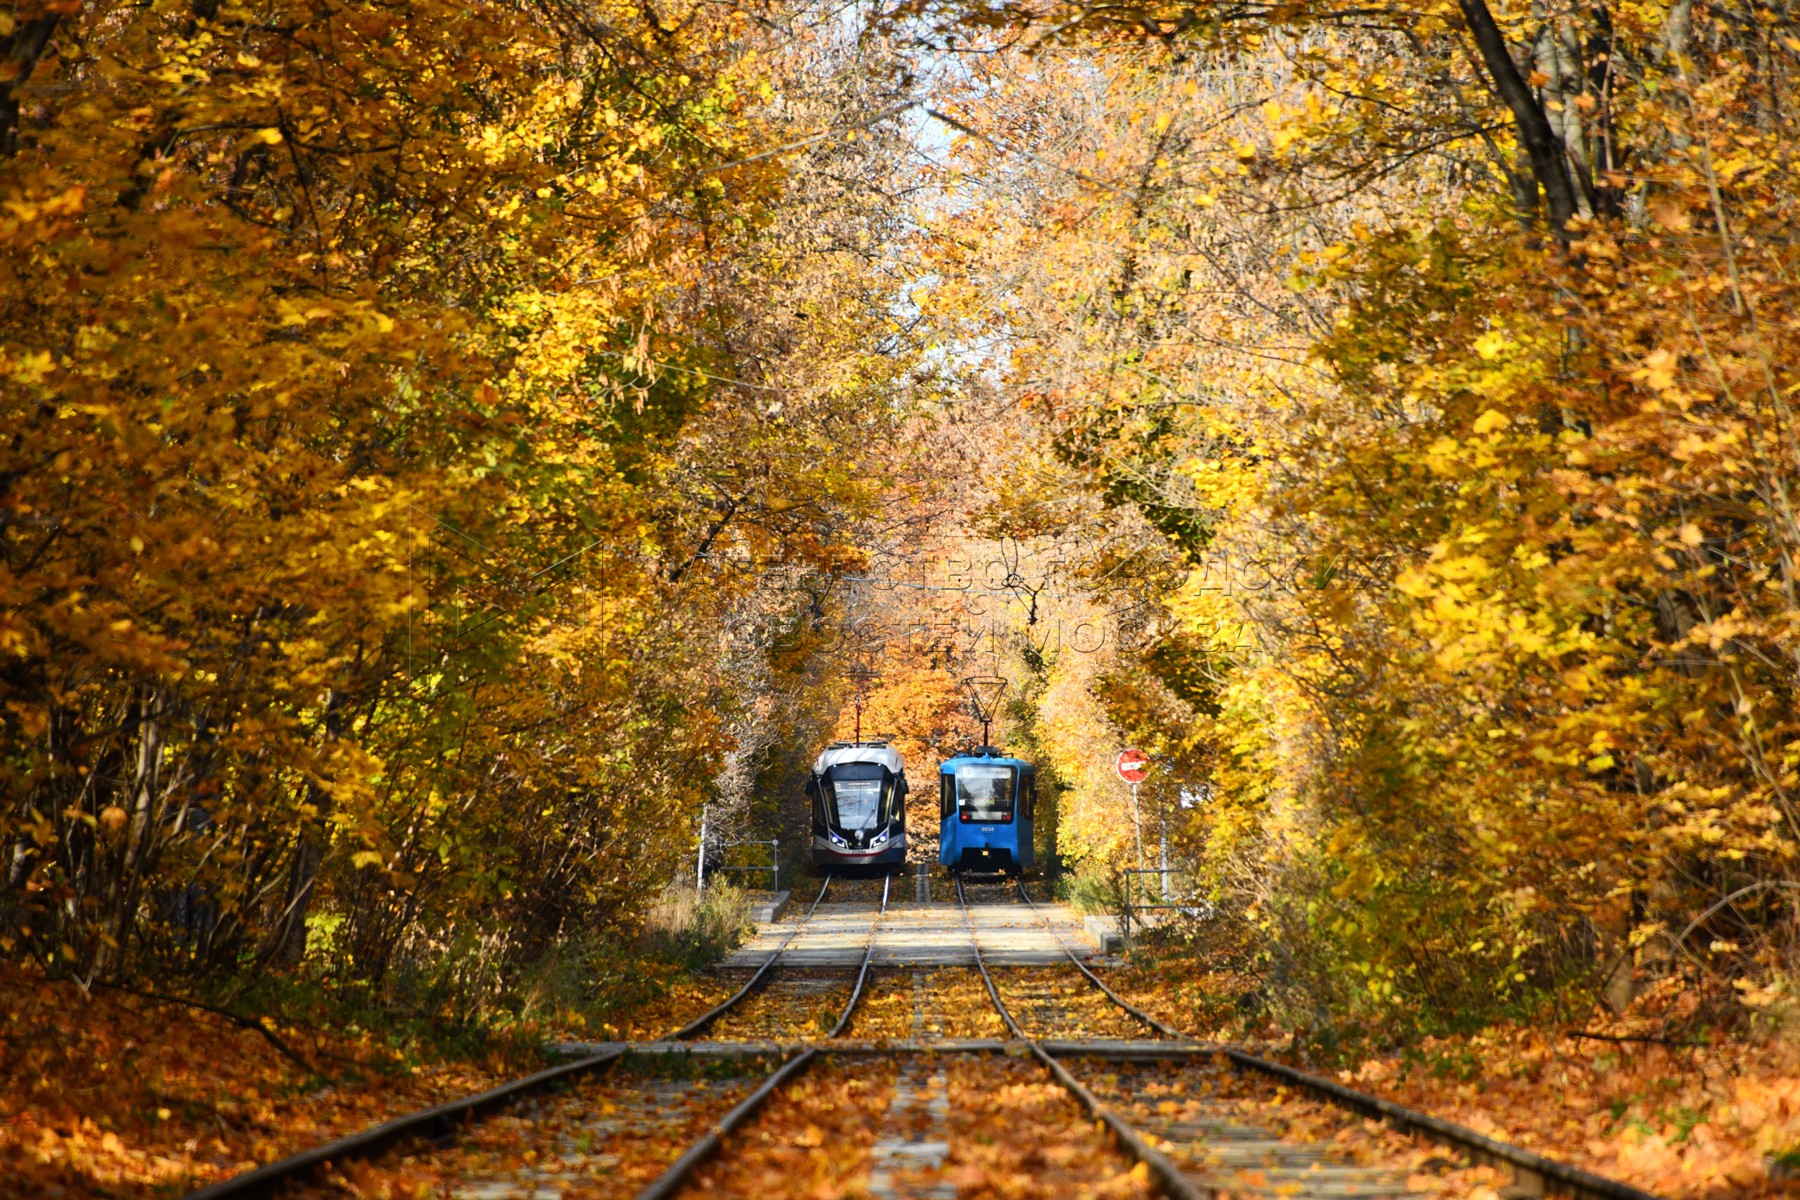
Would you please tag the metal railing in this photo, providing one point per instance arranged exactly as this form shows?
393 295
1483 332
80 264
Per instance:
773 869
1170 897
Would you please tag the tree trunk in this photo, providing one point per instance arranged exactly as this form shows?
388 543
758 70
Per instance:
1544 149
20 51
286 944
143 833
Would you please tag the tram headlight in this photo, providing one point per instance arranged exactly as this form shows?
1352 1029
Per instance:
879 839
838 841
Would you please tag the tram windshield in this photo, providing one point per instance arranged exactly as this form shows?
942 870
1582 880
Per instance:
985 793
858 799
858 804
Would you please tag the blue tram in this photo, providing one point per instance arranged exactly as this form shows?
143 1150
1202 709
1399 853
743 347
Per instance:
987 802
858 794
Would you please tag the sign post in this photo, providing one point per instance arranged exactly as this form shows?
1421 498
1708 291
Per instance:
1133 767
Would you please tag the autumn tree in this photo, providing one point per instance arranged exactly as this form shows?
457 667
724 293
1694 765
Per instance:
393 399
1444 345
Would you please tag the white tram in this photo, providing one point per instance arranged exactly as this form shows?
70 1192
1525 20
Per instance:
858 794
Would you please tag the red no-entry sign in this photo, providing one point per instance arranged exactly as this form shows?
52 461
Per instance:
1134 766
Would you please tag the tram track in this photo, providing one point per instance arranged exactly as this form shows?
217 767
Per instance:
705 1020
602 1138
1160 1028
437 1122
1224 1153
926 1004
787 1002
1168 1175
1049 1005
609 1124
653 1117
678 1174
862 972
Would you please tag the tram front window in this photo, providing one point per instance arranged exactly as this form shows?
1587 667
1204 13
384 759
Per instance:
858 803
985 793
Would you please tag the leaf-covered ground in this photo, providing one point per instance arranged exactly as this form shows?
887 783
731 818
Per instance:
1058 1002
1689 1115
1153 1095
1012 1134
605 1136
107 1094
1204 1003
846 890
680 1001
1683 1120
934 1003
1015 1133
786 1008
812 1139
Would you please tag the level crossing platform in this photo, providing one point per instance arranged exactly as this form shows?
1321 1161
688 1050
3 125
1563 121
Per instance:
919 935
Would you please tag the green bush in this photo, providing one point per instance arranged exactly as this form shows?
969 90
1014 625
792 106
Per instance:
694 931
1096 892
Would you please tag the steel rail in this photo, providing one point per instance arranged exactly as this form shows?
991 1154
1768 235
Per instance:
862 976
1173 1182
676 1177
1012 1026
1574 1180
1123 1050
1571 1180
702 1022
443 1119
437 1121
1166 1030
1167 1173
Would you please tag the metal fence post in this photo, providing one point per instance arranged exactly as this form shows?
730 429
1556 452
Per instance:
1162 824
1125 903
700 861
1168 902
772 870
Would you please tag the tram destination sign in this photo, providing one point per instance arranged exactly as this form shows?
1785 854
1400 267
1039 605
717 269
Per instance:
1133 766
